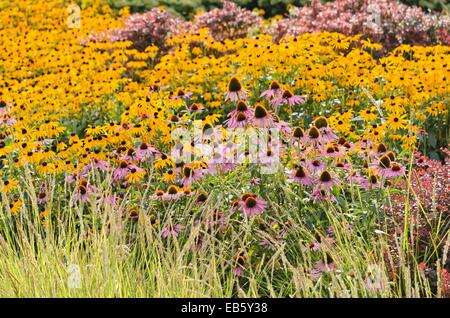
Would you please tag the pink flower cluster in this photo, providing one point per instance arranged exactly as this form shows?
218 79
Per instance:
431 181
430 186
153 27
228 22
385 21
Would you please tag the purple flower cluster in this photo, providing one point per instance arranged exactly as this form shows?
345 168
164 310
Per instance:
385 21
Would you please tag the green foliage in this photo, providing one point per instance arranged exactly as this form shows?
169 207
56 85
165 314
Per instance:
437 5
187 8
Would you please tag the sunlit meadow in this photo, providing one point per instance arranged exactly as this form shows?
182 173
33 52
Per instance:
225 154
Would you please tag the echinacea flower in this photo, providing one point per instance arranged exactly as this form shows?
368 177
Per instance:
159 194
145 151
313 136
326 133
282 126
241 265
201 197
316 165
181 94
251 205
261 117
395 170
240 120
300 175
83 191
325 266
190 175
241 107
332 150
274 90
288 98
121 172
381 149
196 108
172 193
42 197
129 155
320 194
240 116
383 166
298 134
235 91
172 230
326 180
371 182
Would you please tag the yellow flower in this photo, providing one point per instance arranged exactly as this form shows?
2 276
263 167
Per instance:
8 185
396 121
169 176
134 175
15 207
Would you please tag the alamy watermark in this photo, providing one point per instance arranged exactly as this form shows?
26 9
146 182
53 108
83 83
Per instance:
74 16
74 277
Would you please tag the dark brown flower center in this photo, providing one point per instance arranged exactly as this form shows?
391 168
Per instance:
275 85
300 172
172 190
287 93
298 132
245 196
187 171
385 162
391 155
340 164
234 85
342 140
250 202
123 164
202 197
313 133
396 167
321 122
241 117
241 106
82 189
260 111
325 176
316 163
381 148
